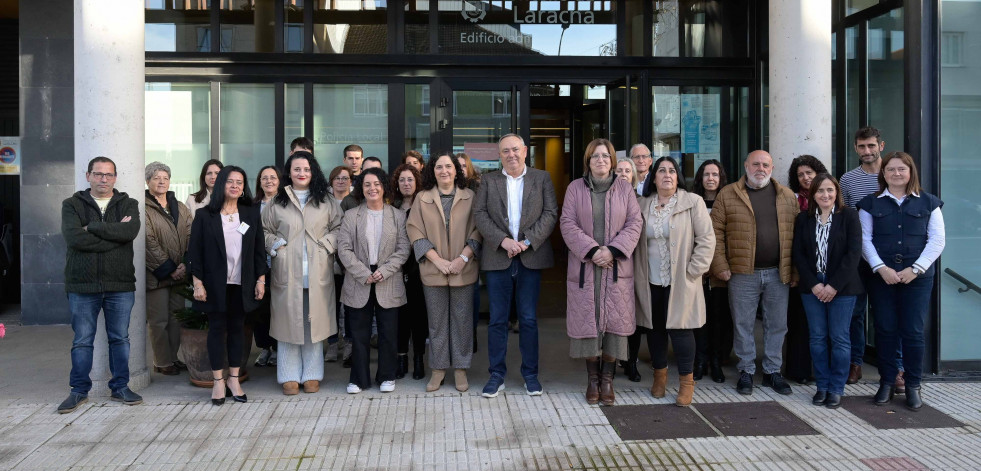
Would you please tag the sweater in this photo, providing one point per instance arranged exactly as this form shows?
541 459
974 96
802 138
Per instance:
100 247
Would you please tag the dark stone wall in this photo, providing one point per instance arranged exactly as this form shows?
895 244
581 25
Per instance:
47 143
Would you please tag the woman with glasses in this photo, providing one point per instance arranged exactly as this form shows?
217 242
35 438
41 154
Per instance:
601 224
413 318
266 188
340 187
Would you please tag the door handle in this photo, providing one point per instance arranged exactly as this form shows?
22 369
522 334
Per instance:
444 123
444 102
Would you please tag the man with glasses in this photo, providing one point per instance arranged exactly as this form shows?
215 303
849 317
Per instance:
99 225
641 156
515 211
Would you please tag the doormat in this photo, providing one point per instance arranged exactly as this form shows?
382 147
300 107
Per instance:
657 422
747 419
896 415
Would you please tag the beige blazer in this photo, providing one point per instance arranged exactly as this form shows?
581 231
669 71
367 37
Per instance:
427 221
352 250
318 225
692 246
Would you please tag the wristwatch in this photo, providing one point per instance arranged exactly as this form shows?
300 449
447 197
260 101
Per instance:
526 242
917 271
465 258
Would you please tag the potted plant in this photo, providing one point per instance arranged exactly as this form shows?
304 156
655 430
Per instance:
194 344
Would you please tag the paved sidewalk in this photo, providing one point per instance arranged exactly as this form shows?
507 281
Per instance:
177 428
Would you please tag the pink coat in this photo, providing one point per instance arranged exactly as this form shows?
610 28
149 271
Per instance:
623 227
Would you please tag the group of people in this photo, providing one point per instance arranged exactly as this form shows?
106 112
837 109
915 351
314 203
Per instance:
357 258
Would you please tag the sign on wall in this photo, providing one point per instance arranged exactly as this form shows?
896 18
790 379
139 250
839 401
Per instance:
10 155
700 124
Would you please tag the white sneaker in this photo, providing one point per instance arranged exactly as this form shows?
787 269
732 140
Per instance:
330 356
353 388
387 386
272 359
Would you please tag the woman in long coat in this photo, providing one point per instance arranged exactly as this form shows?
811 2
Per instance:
600 224
300 228
674 253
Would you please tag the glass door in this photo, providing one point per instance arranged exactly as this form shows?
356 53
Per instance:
471 118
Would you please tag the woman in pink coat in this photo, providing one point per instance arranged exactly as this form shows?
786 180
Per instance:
601 224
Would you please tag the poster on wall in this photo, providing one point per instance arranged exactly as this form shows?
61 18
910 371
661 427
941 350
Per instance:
9 155
484 155
666 109
700 124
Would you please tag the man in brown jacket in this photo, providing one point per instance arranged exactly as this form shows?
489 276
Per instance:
754 230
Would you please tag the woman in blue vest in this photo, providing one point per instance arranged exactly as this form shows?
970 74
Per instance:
902 235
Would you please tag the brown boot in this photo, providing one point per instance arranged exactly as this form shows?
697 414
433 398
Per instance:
291 388
311 386
686 390
660 382
606 395
854 373
900 386
435 381
593 384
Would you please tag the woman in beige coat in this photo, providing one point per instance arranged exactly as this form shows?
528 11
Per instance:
168 229
300 230
674 252
445 241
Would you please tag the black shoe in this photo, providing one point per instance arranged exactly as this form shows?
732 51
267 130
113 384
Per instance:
776 381
913 400
630 369
715 369
418 368
126 396
884 394
220 401
228 393
74 400
745 383
347 362
402 367
819 398
700 369
833 401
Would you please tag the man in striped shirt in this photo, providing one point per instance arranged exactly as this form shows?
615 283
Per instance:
856 184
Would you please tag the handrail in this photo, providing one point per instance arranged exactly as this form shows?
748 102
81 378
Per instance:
965 281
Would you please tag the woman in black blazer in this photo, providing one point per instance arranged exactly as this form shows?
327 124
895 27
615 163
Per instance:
827 248
227 260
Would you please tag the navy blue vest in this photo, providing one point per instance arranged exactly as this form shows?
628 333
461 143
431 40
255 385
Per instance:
899 232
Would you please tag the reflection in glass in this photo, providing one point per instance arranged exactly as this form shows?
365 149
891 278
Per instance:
350 114
248 25
178 131
480 118
293 123
417 127
293 26
177 26
248 126
350 26
851 92
885 62
416 40
853 6
694 28
960 172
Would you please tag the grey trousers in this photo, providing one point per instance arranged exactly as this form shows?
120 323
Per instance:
746 293
163 328
450 326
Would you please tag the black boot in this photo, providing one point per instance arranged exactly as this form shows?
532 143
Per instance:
700 369
630 369
884 394
715 369
403 366
913 400
418 368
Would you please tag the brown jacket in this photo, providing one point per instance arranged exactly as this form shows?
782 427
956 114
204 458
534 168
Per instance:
166 240
427 221
735 229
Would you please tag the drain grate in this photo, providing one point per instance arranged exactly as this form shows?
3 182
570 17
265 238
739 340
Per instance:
657 422
896 415
746 419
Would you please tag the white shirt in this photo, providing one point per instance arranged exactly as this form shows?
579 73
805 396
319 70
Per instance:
936 237
516 189
640 184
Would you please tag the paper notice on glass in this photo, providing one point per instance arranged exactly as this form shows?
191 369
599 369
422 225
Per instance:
666 117
700 116
10 155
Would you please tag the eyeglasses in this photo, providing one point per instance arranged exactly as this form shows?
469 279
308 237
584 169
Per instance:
269 179
640 156
342 179
100 175
600 156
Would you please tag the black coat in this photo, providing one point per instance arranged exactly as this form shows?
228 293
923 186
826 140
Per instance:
844 252
207 259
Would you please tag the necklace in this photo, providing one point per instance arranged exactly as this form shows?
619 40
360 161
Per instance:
230 216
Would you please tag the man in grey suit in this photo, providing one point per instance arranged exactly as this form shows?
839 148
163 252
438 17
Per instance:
516 212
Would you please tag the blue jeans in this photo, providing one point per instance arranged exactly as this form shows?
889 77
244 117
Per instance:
117 306
746 294
829 325
522 283
900 313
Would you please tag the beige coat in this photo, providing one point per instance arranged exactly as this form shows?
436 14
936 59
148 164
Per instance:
427 221
692 246
166 243
352 251
318 225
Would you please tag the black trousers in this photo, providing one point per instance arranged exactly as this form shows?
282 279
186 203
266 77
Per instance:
713 341
413 318
683 340
226 331
338 286
797 360
360 321
260 331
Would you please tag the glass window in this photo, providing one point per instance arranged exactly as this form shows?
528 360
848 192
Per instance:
293 26
960 171
851 96
350 114
293 122
691 28
417 118
248 126
178 131
853 6
528 28
177 26
952 49
886 68
416 40
350 26
480 118
248 25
